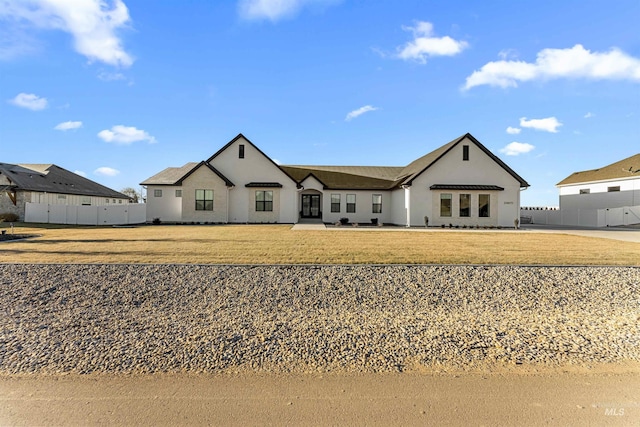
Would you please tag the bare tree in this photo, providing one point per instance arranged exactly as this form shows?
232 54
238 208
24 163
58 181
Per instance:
131 192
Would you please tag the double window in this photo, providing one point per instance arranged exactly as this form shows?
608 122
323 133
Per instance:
376 206
204 200
264 201
351 203
335 203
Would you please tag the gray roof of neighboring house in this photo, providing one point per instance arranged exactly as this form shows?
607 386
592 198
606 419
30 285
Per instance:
345 177
626 168
51 178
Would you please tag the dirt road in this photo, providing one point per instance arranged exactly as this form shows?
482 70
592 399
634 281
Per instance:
562 398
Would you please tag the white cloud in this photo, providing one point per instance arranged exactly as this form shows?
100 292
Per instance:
81 173
110 77
68 125
513 131
516 148
424 44
575 62
106 171
125 135
92 23
360 111
29 101
589 115
275 10
550 124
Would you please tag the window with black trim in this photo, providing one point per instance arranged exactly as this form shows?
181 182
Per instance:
178 193
204 200
376 206
445 204
465 205
612 189
156 193
465 152
484 201
264 201
335 203
351 203
241 151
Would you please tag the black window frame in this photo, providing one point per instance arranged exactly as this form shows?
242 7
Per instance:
262 204
203 203
443 197
465 153
376 208
241 151
351 206
468 208
613 189
157 193
482 212
335 206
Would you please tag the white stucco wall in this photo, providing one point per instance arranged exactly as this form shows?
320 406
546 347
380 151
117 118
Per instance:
364 206
254 167
480 169
167 208
204 178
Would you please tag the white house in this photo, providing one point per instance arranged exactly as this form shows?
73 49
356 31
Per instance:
460 183
606 196
53 188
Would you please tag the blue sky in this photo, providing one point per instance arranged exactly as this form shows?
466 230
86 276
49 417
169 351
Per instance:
119 90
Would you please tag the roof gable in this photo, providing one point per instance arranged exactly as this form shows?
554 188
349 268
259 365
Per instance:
419 166
241 136
625 168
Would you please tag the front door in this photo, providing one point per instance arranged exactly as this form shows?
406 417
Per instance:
311 206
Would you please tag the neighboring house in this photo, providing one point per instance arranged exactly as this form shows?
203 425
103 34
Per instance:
597 197
460 183
48 184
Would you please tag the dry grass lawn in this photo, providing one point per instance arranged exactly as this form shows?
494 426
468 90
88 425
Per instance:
278 244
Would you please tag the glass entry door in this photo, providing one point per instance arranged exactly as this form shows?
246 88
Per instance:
311 206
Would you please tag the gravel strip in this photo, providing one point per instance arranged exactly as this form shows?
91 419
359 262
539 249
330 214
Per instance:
194 318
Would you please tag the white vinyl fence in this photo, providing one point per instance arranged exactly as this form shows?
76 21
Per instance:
611 217
619 216
86 215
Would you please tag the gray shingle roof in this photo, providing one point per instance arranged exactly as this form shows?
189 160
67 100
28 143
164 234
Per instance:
170 176
626 168
344 177
51 178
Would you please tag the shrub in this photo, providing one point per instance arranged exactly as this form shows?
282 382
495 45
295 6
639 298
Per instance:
8 217
344 221
156 221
